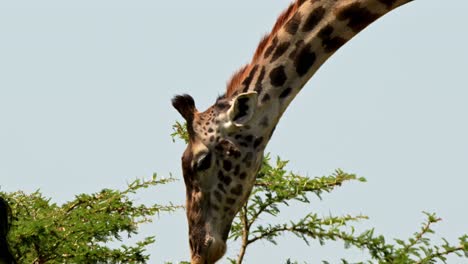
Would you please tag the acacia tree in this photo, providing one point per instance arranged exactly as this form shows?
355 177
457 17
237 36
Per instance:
79 231
275 186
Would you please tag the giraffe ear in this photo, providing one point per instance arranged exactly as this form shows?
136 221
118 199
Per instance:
185 105
243 108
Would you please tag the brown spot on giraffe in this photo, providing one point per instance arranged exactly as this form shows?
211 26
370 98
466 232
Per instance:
358 16
249 78
243 175
258 84
313 19
329 43
230 200
270 48
388 3
304 60
278 76
257 142
293 24
224 178
285 93
227 165
237 190
280 50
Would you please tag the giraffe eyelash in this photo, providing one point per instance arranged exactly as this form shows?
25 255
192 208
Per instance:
202 162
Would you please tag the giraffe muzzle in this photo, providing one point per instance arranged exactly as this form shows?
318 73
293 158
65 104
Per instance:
212 250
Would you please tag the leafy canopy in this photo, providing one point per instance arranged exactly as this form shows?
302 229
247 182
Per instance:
79 231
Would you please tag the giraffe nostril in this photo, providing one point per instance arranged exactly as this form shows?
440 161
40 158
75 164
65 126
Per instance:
209 242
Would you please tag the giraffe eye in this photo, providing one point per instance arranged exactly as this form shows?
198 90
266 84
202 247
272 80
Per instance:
203 162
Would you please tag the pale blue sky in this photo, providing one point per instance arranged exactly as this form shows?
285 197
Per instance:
85 91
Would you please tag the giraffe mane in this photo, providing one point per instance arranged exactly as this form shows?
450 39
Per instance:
237 78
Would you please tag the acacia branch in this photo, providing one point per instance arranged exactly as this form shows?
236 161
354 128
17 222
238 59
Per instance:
442 254
426 228
245 234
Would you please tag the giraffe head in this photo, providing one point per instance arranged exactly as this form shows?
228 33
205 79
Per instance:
219 165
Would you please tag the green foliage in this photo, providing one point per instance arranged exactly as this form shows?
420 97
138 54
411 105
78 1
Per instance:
417 249
79 231
420 249
275 187
180 132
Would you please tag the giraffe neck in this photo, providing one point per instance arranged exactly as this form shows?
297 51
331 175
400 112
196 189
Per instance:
226 142
303 38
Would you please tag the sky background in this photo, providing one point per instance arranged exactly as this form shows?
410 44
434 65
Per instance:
85 89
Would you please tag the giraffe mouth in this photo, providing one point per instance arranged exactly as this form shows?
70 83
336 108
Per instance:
213 250
207 245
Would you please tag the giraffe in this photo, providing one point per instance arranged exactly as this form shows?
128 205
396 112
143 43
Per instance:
227 141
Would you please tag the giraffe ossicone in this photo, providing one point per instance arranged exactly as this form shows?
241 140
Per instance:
227 141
